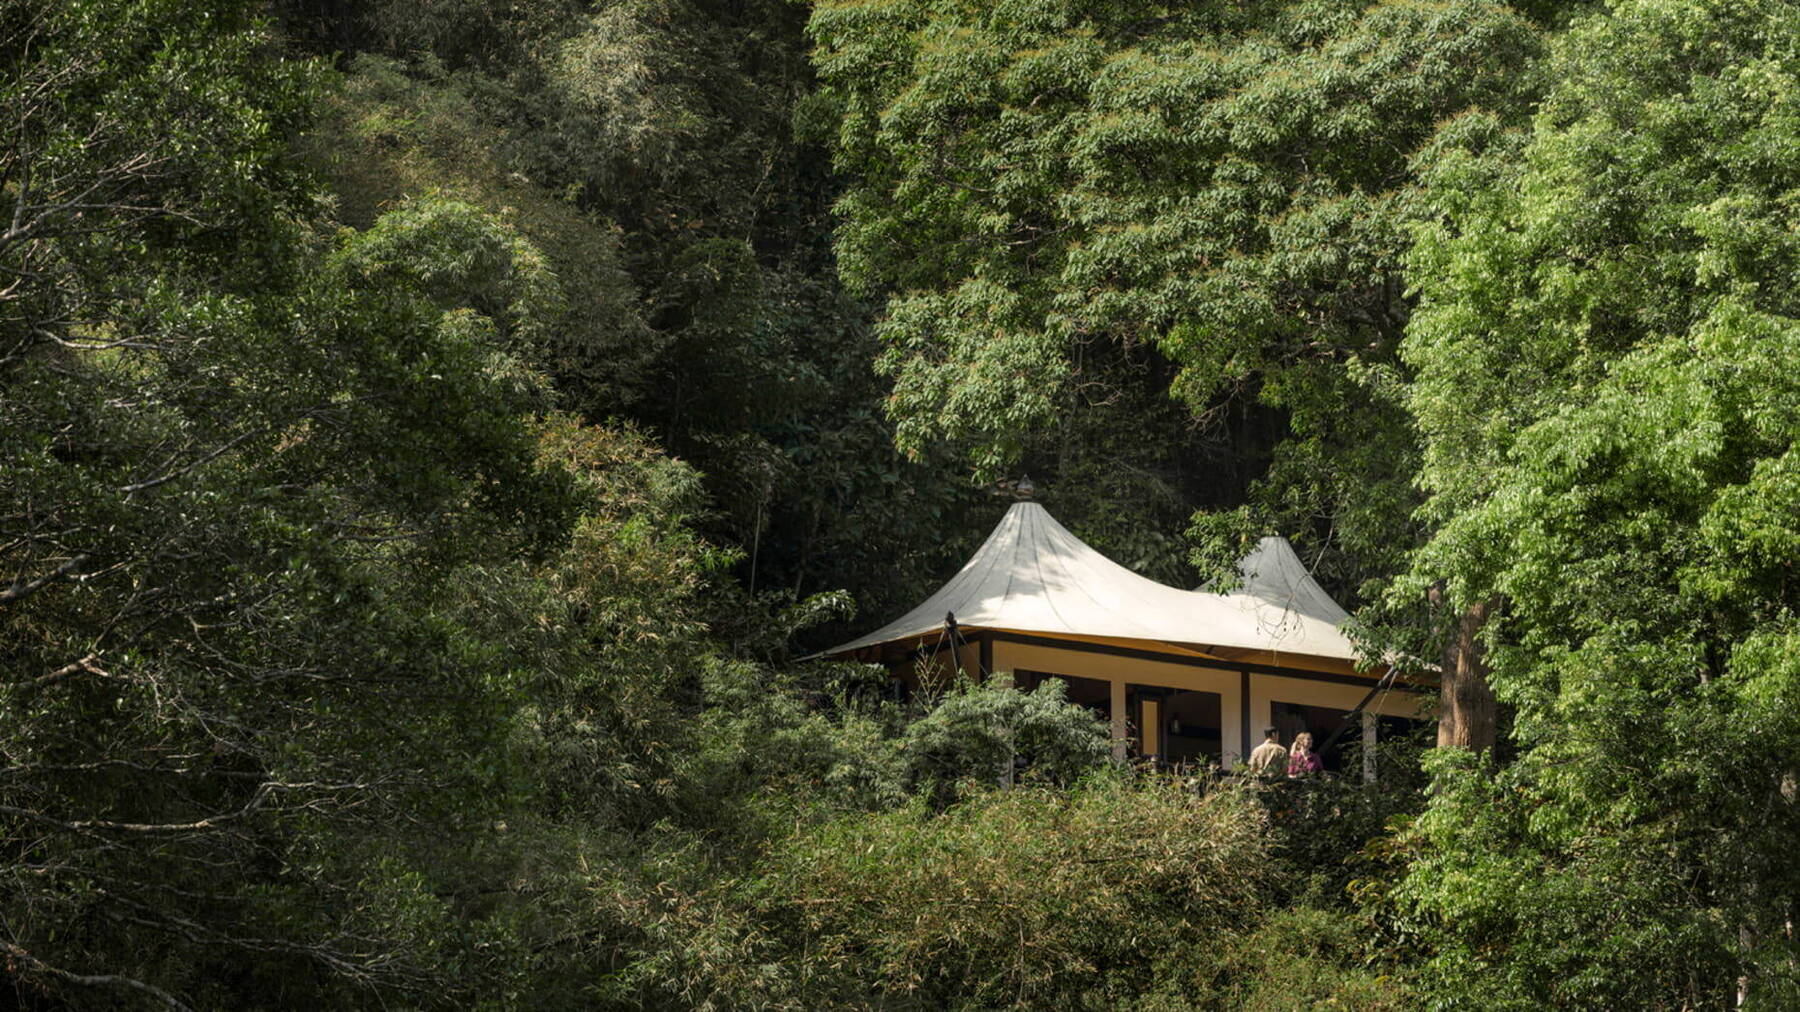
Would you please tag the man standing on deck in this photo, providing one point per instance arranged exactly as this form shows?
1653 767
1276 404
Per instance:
1269 760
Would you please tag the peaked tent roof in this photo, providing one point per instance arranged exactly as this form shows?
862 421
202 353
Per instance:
1033 576
1273 574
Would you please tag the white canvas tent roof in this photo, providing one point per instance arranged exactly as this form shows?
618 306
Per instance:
1033 576
1272 574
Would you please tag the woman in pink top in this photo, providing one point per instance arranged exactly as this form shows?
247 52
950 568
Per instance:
1302 760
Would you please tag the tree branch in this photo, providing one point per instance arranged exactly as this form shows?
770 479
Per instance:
21 588
90 664
92 979
210 822
178 472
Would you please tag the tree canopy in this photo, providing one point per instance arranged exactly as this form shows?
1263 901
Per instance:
430 431
1605 359
1043 187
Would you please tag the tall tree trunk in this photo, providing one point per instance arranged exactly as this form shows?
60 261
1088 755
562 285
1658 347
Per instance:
1467 708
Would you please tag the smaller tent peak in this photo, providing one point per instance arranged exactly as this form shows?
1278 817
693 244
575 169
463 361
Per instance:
1272 572
1273 554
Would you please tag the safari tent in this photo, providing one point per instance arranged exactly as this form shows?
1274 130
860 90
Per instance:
1184 676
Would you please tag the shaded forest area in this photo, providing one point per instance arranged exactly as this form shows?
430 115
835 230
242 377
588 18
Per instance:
430 431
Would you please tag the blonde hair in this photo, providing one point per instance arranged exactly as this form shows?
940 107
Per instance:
1303 740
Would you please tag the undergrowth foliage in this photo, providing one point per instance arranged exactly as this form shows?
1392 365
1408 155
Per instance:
1120 892
1034 896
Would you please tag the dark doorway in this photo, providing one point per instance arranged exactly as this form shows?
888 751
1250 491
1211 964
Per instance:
1389 731
1191 728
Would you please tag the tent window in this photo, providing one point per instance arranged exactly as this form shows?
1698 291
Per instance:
1191 723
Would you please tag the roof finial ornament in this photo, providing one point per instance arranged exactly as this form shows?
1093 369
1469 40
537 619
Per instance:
1024 490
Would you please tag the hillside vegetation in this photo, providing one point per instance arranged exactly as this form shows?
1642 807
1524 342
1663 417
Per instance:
430 431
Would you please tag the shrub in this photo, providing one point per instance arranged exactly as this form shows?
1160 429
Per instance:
1032 896
991 733
1293 957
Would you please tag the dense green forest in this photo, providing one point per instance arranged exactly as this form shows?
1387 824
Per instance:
432 431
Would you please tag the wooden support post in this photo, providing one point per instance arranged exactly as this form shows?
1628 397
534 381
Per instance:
1245 742
1120 730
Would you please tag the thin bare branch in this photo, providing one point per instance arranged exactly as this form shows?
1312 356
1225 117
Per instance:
89 664
22 588
190 466
92 979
